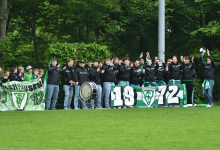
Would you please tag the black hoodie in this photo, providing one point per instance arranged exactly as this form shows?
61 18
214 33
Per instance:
161 73
209 72
150 72
109 75
54 74
81 75
95 75
124 72
187 73
175 71
135 76
13 77
68 75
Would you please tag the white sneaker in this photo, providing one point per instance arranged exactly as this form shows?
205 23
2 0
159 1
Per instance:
209 106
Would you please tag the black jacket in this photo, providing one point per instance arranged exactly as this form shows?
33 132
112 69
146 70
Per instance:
95 75
150 72
1 78
124 73
161 73
54 75
5 80
68 75
109 75
209 72
187 73
13 77
135 76
81 75
175 70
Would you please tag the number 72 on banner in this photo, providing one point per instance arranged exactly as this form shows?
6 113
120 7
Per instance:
149 94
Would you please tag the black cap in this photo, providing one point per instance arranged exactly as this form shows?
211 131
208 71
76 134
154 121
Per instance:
81 61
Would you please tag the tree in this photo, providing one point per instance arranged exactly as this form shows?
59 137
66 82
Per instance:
5 9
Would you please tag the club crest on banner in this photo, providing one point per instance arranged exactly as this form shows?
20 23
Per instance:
19 99
148 95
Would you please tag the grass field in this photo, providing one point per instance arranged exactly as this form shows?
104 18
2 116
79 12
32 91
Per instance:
149 128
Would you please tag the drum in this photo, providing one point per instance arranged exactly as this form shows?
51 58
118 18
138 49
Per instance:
88 91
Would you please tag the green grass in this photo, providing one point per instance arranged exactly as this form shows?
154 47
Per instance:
153 128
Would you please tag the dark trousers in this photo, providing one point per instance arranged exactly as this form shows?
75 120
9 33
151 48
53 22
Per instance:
189 88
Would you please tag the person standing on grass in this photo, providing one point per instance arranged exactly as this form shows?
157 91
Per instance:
68 81
174 71
149 71
187 76
6 77
54 72
95 76
124 72
209 75
13 76
20 73
136 74
108 80
28 75
81 76
160 73
142 63
35 75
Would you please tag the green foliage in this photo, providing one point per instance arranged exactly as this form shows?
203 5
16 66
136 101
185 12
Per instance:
64 51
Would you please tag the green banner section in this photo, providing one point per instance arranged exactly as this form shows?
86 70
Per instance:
25 95
148 96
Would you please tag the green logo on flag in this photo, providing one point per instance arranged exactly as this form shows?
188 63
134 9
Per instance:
19 99
148 95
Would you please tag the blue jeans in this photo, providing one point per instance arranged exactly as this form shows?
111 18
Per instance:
208 95
176 82
98 98
52 91
76 98
159 84
68 96
107 92
135 85
103 96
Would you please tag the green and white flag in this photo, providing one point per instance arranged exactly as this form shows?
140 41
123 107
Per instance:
148 96
25 95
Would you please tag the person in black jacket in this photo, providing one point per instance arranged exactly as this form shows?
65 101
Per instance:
187 76
167 74
95 76
149 70
174 71
108 80
81 76
209 75
13 75
68 81
116 72
124 72
136 74
6 77
160 73
54 72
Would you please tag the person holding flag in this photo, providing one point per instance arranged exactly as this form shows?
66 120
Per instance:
209 75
